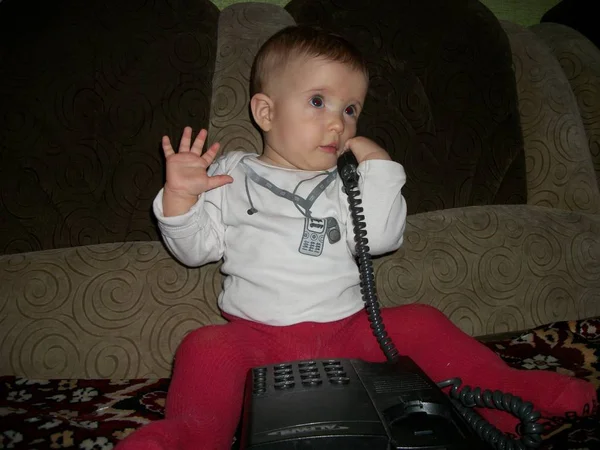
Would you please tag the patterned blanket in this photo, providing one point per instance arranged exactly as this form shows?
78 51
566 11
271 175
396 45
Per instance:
96 414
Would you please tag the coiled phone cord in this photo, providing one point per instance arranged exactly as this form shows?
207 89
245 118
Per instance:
347 169
466 398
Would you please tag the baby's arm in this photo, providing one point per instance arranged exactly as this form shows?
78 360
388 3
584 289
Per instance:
380 184
196 237
188 207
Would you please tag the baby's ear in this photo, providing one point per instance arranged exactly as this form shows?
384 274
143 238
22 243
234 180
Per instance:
262 110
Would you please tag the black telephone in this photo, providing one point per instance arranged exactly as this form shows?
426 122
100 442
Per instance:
352 404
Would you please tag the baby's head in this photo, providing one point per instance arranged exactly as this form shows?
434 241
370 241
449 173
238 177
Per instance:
308 88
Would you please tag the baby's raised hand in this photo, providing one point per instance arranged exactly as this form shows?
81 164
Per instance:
365 149
187 176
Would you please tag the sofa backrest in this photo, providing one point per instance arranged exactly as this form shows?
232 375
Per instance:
442 98
243 28
87 90
559 165
579 59
87 97
455 96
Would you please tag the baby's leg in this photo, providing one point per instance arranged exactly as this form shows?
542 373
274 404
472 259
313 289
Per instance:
206 392
443 351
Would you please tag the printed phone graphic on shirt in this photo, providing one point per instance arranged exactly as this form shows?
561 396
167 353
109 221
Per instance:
313 237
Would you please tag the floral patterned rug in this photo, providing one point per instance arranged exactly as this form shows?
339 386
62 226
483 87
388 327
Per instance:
96 414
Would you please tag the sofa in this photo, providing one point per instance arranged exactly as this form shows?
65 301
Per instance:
497 126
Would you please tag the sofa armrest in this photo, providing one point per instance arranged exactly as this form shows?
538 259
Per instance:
101 311
560 172
494 269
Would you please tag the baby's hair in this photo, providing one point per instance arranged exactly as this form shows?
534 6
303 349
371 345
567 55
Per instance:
301 41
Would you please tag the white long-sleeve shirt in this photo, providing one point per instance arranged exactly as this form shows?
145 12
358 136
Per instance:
281 266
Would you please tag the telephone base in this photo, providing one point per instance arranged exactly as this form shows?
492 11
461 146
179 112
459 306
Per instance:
349 403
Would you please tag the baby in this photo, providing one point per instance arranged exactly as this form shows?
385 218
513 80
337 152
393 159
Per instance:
280 222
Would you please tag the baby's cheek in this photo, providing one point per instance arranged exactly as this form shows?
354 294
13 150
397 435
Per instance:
351 128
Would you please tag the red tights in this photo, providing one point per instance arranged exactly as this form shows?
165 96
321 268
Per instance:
205 397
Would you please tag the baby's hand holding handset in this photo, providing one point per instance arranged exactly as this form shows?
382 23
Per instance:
187 176
365 149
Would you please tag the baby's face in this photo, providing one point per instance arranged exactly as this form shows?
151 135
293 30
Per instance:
316 104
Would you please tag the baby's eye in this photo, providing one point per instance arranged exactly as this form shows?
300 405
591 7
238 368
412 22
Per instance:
317 101
351 110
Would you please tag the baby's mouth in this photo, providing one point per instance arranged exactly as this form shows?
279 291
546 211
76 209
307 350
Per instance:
330 148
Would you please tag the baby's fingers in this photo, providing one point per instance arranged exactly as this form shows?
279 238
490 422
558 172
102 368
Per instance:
167 147
186 140
218 181
211 153
199 142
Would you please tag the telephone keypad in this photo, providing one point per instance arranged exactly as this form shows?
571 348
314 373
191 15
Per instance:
260 381
306 374
336 373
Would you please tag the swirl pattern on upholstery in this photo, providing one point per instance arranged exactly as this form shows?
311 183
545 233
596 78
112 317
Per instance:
80 164
242 30
85 101
120 310
494 269
580 61
560 172
101 311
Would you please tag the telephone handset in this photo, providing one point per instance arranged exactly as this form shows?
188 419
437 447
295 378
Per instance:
346 166
352 404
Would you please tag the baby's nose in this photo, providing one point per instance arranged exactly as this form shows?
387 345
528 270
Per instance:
336 122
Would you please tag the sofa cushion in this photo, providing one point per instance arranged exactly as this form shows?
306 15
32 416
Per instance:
120 310
88 89
442 98
100 311
494 269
